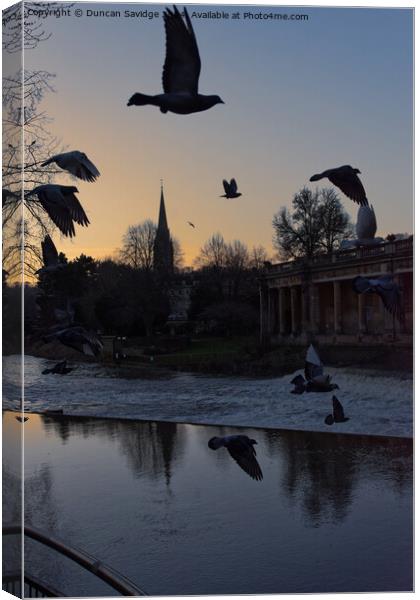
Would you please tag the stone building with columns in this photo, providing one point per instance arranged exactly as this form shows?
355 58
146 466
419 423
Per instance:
300 302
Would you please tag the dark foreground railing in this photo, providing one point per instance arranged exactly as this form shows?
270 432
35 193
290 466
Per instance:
35 589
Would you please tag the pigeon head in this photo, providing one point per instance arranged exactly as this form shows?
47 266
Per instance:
329 420
214 443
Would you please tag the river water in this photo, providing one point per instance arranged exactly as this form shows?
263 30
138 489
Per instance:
332 514
376 402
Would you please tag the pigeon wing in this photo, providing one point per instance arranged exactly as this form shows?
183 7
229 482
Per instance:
74 207
88 170
245 456
181 70
338 411
349 183
54 204
49 252
226 187
313 365
391 298
233 186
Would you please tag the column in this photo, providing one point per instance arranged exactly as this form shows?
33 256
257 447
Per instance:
314 307
361 303
293 309
263 313
281 310
338 322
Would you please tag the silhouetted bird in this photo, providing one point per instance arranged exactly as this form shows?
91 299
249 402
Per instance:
49 256
8 196
316 381
181 70
191 224
241 448
386 288
366 223
231 189
61 205
76 163
299 383
60 368
22 419
346 179
337 414
78 338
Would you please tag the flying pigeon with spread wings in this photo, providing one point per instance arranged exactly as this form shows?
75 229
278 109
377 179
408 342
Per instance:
337 415
181 70
241 448
347 180
231 189
61 205
386 288
76 163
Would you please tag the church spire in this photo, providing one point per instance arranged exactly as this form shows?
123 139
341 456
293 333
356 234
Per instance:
163 253
163 223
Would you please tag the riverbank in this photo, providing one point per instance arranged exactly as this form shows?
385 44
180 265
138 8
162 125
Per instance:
234 356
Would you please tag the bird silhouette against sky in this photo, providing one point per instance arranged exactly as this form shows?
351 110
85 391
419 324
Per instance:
241 448
76 163
181 70
337 415
49 256
191 224
386 288
347 180
231 189
61 205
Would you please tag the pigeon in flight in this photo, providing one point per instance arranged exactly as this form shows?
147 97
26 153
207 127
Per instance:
315 381
60 368
22 419
49 257
337 414
191 224
61 205
231 189
346 179
181 70
386 288
79 338
76 163
241 448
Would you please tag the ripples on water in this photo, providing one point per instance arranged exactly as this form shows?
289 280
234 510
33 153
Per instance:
332 514
376 403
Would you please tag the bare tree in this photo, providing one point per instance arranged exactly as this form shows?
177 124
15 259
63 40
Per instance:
137 249
258 256
213 253
138 245
24 24
26 144
317 224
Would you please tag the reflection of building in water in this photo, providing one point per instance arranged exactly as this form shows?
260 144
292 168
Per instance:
300 300
150 447
322 471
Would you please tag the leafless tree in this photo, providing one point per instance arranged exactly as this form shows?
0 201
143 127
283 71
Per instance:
24 24
26 144
213 253
138 243
317 224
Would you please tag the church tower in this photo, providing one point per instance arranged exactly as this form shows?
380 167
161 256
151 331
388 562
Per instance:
163 252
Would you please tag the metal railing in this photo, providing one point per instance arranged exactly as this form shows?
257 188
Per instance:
118 582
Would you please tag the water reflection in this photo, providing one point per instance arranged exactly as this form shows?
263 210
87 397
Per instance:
333 513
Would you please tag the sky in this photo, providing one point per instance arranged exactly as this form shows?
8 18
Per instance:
300 97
